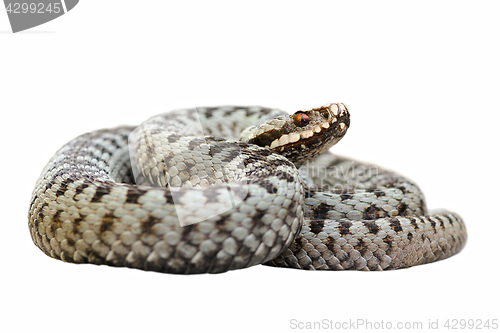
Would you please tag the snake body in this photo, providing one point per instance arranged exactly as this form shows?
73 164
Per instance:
213 189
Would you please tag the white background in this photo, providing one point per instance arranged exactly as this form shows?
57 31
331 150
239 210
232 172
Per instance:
421 80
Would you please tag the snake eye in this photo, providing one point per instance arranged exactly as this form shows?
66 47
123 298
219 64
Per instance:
301 119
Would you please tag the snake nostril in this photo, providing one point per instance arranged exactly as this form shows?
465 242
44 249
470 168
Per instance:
301 119
325 114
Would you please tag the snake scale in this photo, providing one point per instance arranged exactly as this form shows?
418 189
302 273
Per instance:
213 189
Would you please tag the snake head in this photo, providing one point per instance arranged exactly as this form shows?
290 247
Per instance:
304 134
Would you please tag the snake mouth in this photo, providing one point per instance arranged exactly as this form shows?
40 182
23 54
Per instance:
295 137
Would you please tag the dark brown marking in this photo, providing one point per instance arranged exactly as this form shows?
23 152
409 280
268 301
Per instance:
441 222
403 189
106 222
413 222
100 192
62 188
173 137
317 226
329 242
102 149
147 225
134 194
433 224
344 227
402 207
195 143
372 227
266 138
56 221
77 224
320 211
372 213
268 186
396 225
79 189
361 247
388 240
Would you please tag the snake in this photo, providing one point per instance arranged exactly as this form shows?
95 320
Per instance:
213 189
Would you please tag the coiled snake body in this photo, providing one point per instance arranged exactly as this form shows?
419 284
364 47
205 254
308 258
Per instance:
220 188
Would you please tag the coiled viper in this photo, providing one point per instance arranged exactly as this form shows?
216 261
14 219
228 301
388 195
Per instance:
188 198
